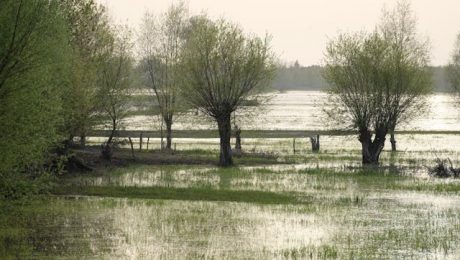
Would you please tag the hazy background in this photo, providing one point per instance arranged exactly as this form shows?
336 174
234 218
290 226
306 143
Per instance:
301 28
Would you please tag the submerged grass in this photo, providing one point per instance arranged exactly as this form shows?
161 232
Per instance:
316 208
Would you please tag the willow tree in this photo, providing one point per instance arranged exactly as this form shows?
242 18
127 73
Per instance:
161 43
90 39
223 67
409 54
370 90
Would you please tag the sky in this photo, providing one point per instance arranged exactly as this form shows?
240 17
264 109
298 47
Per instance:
300 29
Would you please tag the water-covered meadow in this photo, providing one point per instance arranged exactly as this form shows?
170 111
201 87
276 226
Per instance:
298 204
229 129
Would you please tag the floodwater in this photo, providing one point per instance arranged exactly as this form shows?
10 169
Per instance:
343 212
343 216
303 110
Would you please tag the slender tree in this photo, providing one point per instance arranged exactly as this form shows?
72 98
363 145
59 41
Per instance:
115 83
161 45
222 67
409 58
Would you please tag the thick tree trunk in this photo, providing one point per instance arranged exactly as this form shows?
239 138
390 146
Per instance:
393 142
225 129
371 149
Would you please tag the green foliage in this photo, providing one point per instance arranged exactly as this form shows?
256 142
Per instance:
223 66
90 40
33 69
379 80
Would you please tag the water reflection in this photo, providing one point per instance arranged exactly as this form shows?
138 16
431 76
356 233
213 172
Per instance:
384 224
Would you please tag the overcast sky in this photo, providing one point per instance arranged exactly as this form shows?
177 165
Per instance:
301 28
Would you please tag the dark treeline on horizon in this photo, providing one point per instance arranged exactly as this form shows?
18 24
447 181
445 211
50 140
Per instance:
297 77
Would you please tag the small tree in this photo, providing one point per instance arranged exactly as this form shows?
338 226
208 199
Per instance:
222 67
161 44
378 80
115 83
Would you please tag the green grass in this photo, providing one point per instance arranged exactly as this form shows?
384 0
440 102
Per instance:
169 193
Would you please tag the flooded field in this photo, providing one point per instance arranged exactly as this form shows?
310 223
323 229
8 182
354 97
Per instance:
334 214
323 206
303 110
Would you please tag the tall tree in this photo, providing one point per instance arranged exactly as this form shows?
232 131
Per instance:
377 81
115 83
161 45
90 39
410 57
33 67
222 67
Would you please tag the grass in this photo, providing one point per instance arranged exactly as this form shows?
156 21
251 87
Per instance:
260 209
170 193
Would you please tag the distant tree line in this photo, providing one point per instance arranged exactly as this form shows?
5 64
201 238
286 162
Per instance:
297 77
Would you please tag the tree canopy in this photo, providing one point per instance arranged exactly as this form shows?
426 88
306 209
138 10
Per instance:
378 79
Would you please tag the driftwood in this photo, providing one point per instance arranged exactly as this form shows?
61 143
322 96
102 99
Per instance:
444 169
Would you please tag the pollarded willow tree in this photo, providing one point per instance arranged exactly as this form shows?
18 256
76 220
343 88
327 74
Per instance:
161 44
377 80
222 67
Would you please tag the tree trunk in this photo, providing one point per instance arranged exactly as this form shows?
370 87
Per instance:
112 134
371 149
393 142
225 129
168 133
161 135
107 149
83 140
314 143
